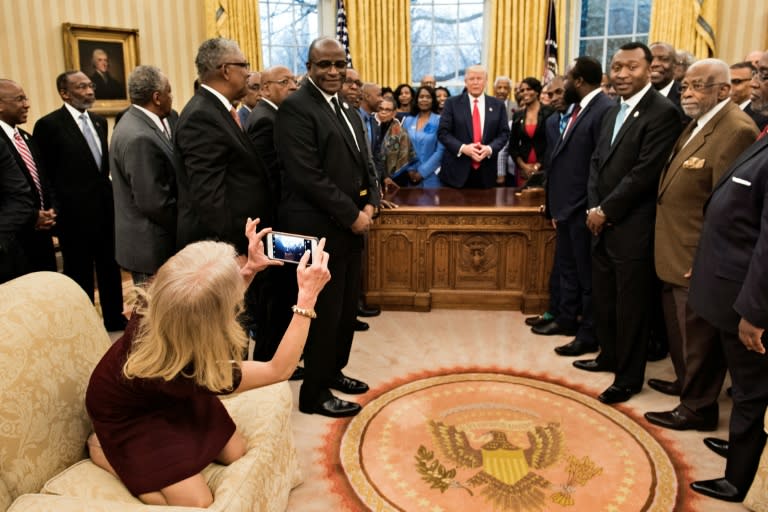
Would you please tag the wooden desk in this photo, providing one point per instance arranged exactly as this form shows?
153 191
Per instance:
473 249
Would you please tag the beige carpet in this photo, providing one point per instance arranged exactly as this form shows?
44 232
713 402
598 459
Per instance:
402 345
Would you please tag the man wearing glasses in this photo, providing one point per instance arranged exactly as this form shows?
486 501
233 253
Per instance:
223 181
73 144
741 91
329 190
251 98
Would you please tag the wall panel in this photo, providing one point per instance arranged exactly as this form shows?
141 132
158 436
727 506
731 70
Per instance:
32 48
742 27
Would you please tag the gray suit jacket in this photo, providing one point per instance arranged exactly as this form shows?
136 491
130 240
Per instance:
144 167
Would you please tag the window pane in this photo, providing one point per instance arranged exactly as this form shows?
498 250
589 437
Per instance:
622 17
592 17
628 20
614 44
287 28
643 16
592 48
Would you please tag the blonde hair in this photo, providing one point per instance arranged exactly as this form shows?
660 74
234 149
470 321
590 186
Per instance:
189 324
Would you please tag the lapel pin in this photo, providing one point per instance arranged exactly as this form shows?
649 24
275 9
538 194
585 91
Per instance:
636 114
346 107
490 109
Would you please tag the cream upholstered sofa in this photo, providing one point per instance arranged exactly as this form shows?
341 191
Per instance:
757 497
50 339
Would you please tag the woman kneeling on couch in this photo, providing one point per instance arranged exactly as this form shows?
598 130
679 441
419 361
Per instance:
152 397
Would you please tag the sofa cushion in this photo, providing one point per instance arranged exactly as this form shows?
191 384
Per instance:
259 481
50 340
50 503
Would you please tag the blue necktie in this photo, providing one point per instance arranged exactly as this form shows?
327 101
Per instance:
564 118
89 139
619 120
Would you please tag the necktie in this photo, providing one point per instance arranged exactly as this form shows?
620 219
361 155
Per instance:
166 129
95 151
233 112
763 133
370 129
564 119
26 155
343 120
619 120
572 119
477 134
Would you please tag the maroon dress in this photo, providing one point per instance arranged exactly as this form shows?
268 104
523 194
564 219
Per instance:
154 433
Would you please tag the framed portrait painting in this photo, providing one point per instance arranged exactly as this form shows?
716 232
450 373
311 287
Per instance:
107 55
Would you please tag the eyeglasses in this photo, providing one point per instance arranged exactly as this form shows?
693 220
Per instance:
326 64
349 81
284 82
244 65
82 87
761 75
384 109
699 87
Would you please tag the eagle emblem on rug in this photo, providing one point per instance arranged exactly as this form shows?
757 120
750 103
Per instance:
506 473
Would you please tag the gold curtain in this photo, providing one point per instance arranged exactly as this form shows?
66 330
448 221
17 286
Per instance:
685 24
380 40
238 20
518 29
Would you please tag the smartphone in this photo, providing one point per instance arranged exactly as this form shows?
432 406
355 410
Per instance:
289 247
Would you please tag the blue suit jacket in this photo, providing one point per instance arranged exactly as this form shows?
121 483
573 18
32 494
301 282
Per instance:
427 147
569 158
456 129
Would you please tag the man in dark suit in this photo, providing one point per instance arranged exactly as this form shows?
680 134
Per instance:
473 129
107 87
277 83
718 133
17 212
663 75
729 289
36 239
329 190
73 144
144 166
568 166
251 98
223 181
634 143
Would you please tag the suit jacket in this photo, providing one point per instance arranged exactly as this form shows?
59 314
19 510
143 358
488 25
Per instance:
730 269
520 143
17 209
759 119
222 181
624 176
242 113
144 167
325 172
49 196
687 182
83 189
260 127
456 129
569 158
427 147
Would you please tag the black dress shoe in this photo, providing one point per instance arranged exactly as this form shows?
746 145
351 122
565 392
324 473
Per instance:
552 328
720 489
576 348
719 446
667 387
364 311
615 394
361 326
591 365
680 420
298 374
333 408
348 385
539 319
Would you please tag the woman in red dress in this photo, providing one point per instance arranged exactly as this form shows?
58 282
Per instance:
527 140
152 397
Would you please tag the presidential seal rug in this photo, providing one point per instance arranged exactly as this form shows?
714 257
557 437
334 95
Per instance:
484 440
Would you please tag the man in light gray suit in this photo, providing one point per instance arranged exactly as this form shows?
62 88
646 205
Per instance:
144 167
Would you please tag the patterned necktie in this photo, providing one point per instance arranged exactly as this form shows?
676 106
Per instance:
233 112
26 155
477 134
95 151
619 120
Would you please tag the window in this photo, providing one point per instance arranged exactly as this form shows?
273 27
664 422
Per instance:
606 25
446 38
287 29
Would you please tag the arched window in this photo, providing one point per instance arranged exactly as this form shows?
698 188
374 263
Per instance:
606 25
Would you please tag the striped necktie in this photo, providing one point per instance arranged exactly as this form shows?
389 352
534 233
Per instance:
26 155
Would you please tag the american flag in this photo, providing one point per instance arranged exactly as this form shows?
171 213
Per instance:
550 45
341 29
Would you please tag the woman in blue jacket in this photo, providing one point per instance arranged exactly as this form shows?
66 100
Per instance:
422 130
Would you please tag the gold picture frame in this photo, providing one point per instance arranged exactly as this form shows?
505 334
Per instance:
107 55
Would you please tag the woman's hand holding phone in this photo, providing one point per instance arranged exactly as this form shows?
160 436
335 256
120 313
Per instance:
312 278
257 260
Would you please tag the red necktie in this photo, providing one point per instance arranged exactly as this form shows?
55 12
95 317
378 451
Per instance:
763 133
477 134
574 114
26 155
235 117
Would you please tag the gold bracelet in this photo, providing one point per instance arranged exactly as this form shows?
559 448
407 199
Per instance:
309 313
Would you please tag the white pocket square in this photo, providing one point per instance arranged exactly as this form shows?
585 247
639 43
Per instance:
741 181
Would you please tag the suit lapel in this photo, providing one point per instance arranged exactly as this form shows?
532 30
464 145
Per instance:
72 129
630 121
327 109
149 123
750 152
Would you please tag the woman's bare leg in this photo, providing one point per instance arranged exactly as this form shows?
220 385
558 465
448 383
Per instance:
233 450
97 454
190 492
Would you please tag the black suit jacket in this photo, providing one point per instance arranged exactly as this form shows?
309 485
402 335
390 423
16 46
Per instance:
49 197
83 189
325 172
456 129
759 119
222 181
260 127
520 143
624 176
17 209
569 158
730 269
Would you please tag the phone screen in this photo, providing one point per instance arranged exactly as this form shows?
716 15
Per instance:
290 248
